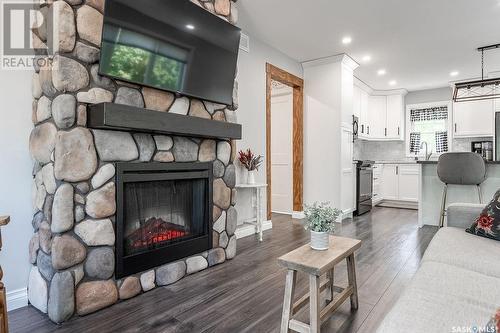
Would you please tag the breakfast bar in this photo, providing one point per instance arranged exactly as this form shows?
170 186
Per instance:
431 191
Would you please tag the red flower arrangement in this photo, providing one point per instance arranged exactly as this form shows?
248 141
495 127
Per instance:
249 160
497 320
485 222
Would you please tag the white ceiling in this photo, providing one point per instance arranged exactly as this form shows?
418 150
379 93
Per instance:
418 42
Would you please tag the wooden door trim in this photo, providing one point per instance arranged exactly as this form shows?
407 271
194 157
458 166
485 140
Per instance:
297 84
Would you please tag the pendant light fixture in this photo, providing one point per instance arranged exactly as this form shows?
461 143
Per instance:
478 89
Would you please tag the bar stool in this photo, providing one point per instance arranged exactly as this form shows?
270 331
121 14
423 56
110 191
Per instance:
460 169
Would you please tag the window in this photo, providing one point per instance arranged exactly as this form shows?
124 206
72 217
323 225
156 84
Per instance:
428 123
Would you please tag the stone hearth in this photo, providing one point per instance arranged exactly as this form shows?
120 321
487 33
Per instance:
72 251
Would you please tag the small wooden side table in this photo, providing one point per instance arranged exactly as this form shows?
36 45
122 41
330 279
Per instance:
258 188
4 322
315 264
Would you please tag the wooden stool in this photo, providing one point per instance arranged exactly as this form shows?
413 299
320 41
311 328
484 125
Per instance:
315 264
4 322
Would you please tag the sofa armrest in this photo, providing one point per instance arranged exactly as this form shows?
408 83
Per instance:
462 215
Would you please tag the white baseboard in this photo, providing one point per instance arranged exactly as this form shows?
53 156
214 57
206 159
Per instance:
298 215
247 229
17 299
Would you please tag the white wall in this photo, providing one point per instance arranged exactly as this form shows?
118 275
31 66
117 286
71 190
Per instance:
252 107
15 179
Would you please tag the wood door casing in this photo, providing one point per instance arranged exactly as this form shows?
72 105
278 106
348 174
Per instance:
277 74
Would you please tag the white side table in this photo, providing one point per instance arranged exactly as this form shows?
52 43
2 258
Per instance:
258 189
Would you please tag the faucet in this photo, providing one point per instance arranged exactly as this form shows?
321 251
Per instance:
427 155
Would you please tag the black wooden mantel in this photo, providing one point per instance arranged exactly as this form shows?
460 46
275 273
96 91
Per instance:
110 116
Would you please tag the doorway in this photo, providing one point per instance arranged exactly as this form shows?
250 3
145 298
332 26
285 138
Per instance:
295 135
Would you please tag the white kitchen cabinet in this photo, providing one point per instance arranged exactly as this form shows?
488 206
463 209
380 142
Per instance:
377 183
395 117
400 182
377 116
389 182
356 101
472 119
408 182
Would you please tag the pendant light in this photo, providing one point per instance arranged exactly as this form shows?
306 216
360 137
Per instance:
478 89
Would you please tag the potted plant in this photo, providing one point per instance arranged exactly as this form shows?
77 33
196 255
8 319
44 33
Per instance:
251 163
320 220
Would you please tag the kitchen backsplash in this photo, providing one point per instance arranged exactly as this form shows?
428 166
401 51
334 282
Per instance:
395 150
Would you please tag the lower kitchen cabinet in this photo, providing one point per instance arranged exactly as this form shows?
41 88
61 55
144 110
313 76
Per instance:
400 182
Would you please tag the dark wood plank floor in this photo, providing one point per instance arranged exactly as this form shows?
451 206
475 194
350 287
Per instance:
245 294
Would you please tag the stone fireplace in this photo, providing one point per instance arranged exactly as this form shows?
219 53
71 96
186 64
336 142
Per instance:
118 213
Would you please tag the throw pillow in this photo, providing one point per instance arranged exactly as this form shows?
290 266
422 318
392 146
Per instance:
488 223
494 324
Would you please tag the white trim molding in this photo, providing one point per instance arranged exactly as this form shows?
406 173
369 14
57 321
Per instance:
343 58
17 299
298 215
247 229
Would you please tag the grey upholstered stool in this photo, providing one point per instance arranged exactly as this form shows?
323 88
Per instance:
460 169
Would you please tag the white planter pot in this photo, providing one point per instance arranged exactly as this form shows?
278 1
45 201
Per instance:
251 177
320 240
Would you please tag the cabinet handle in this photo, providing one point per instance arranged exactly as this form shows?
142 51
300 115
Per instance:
398 130
455 127
368 130
397 170
385 131
362 128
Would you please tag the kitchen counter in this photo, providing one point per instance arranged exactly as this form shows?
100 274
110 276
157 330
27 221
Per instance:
435 162
396 162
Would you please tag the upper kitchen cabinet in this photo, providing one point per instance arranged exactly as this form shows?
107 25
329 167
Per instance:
377 117
474 118
360 110
395 117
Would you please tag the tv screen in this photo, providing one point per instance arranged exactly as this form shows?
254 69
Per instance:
172 45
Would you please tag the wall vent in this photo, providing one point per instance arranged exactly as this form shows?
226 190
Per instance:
245 42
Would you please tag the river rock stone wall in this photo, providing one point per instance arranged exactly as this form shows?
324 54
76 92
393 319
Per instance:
72 248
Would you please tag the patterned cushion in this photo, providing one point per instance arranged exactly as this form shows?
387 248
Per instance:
488 223
494 324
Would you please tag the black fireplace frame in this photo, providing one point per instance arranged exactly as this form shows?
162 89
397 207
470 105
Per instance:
134 172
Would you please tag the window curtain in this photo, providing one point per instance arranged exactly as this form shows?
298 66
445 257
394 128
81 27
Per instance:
427 114
441 142
414 142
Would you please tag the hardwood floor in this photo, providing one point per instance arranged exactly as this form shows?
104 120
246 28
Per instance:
246 293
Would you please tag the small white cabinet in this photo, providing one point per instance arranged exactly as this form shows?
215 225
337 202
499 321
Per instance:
400 182
390 182
472 119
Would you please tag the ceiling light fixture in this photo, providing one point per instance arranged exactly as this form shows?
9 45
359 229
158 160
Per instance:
393 82
367 58
381 72
478 89
190 26
346 40
454 73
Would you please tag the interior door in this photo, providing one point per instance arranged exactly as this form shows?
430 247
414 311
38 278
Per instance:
281 153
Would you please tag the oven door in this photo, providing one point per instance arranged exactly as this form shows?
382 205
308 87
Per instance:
365 184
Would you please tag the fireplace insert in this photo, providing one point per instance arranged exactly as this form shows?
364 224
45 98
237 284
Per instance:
163 214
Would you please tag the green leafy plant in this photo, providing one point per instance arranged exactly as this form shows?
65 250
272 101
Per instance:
320 217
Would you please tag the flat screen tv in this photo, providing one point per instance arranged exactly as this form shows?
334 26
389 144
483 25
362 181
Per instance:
172 45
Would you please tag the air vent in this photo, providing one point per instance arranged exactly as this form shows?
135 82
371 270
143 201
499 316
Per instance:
245 42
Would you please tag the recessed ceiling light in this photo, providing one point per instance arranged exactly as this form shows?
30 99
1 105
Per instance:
346 40
381 72
367 58
393 82
454 73
190 26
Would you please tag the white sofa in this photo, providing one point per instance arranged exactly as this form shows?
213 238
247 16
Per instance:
457 285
